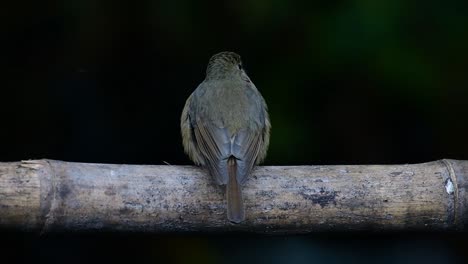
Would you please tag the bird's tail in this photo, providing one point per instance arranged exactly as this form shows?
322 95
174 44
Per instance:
235 205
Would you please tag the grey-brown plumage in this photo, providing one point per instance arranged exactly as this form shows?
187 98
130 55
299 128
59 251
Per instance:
225 127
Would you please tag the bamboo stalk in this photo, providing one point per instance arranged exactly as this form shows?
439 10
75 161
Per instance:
49 195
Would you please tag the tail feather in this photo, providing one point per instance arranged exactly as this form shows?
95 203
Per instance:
235 205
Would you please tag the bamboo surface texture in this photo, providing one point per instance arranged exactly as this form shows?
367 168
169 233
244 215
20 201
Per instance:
49 195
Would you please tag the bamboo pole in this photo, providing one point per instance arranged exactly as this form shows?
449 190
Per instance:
49 195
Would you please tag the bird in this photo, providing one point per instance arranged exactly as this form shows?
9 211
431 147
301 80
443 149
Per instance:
225 127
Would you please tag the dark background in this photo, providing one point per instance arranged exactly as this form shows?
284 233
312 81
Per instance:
347 82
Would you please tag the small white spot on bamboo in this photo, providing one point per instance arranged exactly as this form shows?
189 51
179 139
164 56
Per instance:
449 186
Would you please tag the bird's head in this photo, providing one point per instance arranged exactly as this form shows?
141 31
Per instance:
225 64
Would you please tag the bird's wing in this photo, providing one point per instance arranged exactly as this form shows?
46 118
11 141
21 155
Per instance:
188 137
250 145
215 145
246 147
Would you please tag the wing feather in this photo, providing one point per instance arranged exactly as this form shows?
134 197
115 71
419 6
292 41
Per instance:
214 144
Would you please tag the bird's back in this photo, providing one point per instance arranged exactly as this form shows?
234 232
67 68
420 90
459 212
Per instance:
229 119
232 105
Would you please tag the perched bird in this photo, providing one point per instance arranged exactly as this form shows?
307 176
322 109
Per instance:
225 127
